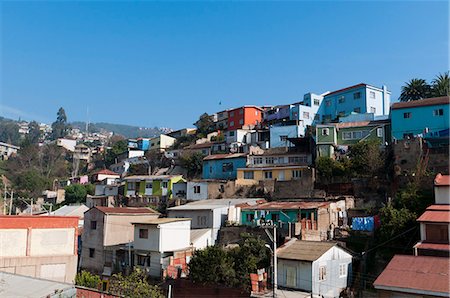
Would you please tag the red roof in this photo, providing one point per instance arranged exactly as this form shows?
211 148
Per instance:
287 205
346 89
436 213
106 172
433 246
415 274
422 102
442 180
126 210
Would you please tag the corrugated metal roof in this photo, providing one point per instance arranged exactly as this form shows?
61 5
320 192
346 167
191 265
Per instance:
225 156
420 273
421 102
304 250
126 210
70 210
213 204
160 221
197 233
442 180
287 205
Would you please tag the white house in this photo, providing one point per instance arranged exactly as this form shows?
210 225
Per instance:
209 214
6 150
197 190
156 240
321 268
442 189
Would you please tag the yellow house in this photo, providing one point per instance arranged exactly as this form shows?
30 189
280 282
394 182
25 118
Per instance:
251 176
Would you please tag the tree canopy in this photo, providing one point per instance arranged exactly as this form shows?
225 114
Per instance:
60 128
417 89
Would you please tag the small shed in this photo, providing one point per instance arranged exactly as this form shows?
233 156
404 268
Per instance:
321 268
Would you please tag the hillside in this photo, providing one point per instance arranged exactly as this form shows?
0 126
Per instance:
127 131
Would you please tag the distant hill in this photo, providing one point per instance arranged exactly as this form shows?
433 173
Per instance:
128 131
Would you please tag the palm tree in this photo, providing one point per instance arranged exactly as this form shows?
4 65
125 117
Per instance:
415 89
441 85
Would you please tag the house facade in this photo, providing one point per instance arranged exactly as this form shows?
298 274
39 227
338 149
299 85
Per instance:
223 166
428 118
107 232
161 142
154 187
361 98
244 116
6 150
39 246
320 268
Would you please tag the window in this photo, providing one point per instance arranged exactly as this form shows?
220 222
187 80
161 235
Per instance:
275 217
131 185
342 270
256 113
316 102
197 189
268 175
380 132
281 160
93 225
306 115
227 167
143 233
407 115
373 110
164 184
257 160
372 94
143 260
325 131
326 118
210 170
241 121
347 135
149 185
241 111
231 123
341 114
328 103
231 114
322 273
298 159
341 99
283 138
91 252
357 95
357 135
231 133
357 110
270 160
317 117
201 220
296 174
250 217
354 135
248 175
438 112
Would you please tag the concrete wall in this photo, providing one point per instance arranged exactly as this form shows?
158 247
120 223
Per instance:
175 236
50 242
203 241
202 195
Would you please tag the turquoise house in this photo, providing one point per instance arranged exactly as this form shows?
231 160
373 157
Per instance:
428 118
223 166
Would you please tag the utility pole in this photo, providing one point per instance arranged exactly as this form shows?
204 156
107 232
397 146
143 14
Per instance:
4 201
273 238
11 201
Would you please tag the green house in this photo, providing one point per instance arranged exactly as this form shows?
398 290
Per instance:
335 138
167 186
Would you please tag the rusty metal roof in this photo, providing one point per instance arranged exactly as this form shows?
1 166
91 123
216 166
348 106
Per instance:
422 102
442 180
287 206
416 274
304 250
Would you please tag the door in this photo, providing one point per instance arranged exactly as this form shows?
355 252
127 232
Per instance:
281 175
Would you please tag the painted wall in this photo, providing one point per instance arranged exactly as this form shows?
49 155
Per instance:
13 242
421 117
215 169
333 283
442 195
50 242
243 116
278 173
290 131
202 195
299 273
203 241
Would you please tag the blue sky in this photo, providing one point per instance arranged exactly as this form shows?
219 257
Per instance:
165 63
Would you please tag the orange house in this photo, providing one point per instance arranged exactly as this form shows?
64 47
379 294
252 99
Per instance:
246 115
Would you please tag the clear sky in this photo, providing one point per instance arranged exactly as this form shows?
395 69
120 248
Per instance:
165 63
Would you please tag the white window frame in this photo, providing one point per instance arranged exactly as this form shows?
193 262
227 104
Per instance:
438 112
373 110
372 94
306 115
249 175
343 270
296 174
197 189
325 131
268 175
316 102
380 132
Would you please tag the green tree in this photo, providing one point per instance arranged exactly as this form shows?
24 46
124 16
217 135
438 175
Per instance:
395 221
134 285
88 280
117 148
440 86
415 89
9 132
34 133
212 265
75 193
366 158
193 163
31 183
60 128
204 125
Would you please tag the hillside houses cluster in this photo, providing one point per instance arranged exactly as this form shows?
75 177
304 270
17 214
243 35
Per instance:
257 170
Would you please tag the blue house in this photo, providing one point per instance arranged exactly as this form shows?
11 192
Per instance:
223 166
428 118
279 134
361 98
143 144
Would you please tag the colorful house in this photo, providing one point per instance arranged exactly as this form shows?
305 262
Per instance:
335 138
161 142
428 118
223 166
361 98
244 116
150 186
